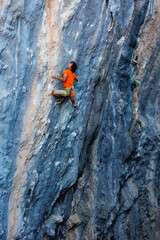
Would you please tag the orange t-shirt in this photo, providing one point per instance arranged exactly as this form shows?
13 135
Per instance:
70 78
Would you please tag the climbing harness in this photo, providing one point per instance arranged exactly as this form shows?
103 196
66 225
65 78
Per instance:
67 92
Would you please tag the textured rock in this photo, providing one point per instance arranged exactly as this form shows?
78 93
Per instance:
90 173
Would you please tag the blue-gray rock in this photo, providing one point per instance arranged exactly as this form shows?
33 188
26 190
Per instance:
90 172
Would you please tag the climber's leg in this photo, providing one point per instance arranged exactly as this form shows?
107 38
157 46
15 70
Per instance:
72 100
61 94
58 94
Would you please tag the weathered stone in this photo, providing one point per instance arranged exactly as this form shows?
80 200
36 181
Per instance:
89 173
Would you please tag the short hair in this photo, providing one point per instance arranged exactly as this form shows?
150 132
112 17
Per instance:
74 66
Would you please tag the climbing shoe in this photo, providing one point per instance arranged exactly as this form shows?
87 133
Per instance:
59 101
75 106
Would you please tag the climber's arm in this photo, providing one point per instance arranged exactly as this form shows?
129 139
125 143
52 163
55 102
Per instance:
62 79
76 78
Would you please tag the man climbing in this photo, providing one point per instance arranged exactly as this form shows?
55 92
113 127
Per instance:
68 82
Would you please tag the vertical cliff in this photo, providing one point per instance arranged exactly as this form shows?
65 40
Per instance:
92 172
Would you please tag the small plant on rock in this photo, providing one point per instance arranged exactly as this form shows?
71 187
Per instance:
134 82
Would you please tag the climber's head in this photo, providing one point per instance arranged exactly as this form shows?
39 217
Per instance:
72 66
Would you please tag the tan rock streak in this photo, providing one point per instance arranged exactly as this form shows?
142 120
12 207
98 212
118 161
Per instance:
36 120
148 39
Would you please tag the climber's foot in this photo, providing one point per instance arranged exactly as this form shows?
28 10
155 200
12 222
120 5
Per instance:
74 105
59 101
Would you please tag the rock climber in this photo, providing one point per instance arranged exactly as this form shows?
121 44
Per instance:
68 82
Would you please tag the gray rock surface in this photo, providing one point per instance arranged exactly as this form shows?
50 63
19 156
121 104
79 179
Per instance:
90 173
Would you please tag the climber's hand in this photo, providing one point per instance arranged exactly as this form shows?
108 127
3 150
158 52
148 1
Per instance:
53 76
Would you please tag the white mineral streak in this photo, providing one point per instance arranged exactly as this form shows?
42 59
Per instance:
38 109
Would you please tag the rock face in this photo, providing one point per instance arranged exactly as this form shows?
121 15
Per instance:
90 173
